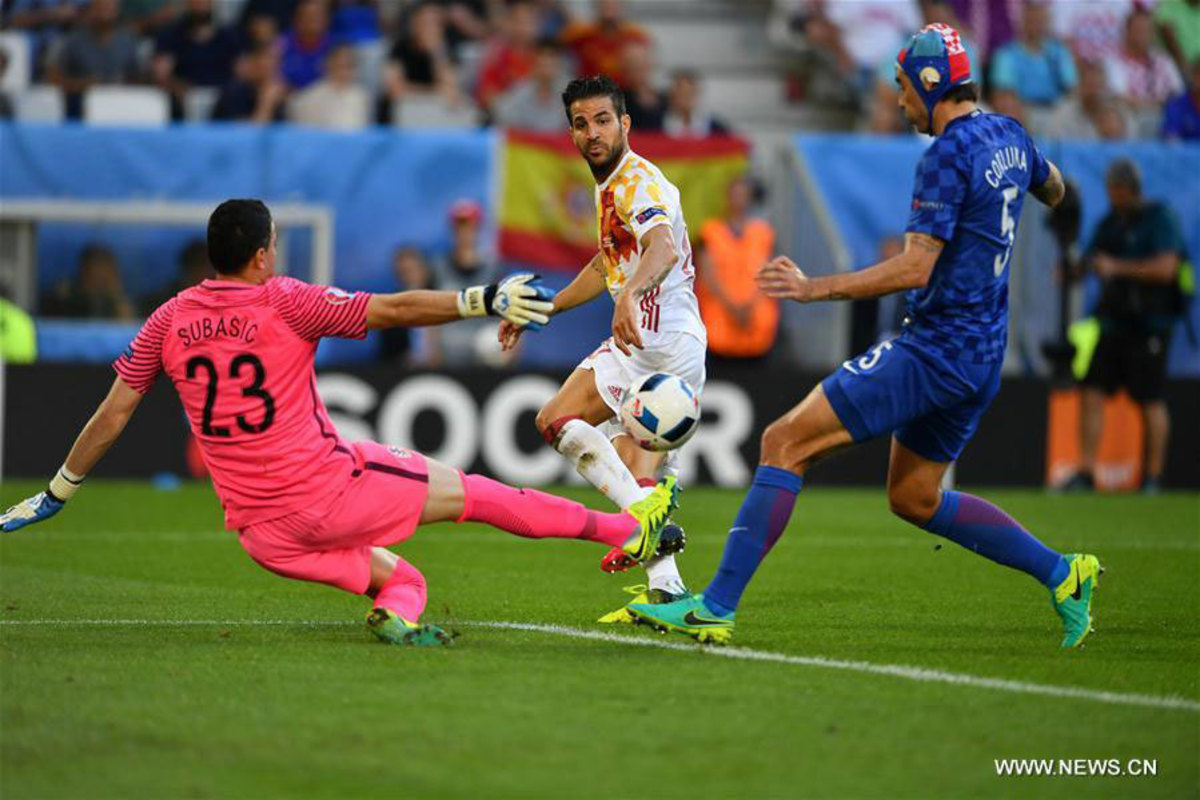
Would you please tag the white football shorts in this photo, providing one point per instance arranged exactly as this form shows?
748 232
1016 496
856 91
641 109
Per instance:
678 353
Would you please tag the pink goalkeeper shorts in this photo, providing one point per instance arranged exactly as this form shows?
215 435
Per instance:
332 544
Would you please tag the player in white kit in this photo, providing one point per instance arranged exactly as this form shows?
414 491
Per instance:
645 263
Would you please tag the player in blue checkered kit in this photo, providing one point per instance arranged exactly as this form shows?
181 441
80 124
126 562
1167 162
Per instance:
928 387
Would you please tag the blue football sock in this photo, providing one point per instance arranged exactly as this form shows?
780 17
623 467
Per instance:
978 525
759 523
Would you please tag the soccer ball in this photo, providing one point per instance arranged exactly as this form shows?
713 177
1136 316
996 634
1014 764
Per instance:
660 411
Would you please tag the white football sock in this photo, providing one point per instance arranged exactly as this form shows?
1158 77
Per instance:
663 574
594 457
662 571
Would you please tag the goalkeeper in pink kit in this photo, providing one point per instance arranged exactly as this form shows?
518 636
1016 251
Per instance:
306 503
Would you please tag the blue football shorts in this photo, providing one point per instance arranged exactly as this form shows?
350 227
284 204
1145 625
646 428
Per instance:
932 404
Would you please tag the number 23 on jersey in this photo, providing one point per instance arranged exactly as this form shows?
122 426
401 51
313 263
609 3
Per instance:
204 364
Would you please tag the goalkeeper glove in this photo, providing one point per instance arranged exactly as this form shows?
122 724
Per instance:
42 505
521 299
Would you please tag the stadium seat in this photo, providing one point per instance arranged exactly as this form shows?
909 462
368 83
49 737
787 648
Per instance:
1145 123
711 43
417 111
16 75
1038 119
198 103
40 103
470 61
142 106
733 95
371 57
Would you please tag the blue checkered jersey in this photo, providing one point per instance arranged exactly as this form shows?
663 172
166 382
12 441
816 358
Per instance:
968 192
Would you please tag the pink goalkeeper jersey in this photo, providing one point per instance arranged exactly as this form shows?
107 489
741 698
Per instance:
241 358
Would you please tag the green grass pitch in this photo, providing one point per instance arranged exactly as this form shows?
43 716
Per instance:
274 688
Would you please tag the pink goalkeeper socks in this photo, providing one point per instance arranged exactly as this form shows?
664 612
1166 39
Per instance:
404 592
537 515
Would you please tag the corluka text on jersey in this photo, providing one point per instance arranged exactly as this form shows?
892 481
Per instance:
1008 158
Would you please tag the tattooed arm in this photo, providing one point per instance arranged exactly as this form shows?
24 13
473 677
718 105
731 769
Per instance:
658 258
1052 191
910 269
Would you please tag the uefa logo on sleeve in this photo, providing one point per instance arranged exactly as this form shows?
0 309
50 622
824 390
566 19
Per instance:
400 453
336 297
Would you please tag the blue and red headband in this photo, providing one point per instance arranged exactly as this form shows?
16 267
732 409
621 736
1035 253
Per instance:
935 61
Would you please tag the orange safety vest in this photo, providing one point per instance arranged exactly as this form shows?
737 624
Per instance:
734 261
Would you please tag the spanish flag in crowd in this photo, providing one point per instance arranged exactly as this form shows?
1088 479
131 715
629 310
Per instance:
547 200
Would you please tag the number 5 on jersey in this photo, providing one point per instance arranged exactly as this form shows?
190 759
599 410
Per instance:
867 362
1008 230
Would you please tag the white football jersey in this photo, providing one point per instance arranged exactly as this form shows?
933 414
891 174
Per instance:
633 199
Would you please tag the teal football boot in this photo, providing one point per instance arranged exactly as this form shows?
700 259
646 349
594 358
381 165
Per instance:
1072 598
390 627
688 616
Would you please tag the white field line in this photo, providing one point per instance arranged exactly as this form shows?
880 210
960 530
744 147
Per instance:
919 674
895 670
900 541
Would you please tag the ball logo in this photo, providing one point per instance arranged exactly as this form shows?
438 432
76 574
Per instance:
660 411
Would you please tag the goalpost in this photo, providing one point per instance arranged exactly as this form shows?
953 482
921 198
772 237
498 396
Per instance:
18 240
19 220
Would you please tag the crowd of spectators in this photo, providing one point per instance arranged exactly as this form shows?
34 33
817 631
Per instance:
346 64
1096 70
97 290
1102 69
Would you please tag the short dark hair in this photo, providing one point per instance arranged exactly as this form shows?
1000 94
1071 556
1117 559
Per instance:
259 48
96 251
593 86
1138 10
1124 172
963 93
194 254
236 231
